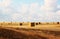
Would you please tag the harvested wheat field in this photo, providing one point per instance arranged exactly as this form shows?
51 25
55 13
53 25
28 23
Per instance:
23 33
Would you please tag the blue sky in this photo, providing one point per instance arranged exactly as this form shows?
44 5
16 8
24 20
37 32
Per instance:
30 10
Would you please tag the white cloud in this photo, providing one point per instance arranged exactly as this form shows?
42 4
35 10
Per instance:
27 11
5 3
24 8
6 11
31 12
50 5
34 8
58 7
50 2
49 10
4 6
58 12
16 16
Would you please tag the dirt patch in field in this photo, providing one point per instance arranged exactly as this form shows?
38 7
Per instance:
10 34
28 34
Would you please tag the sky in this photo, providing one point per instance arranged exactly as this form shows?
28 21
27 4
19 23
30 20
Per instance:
30 10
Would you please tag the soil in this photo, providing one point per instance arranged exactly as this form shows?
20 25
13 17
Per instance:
21 33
